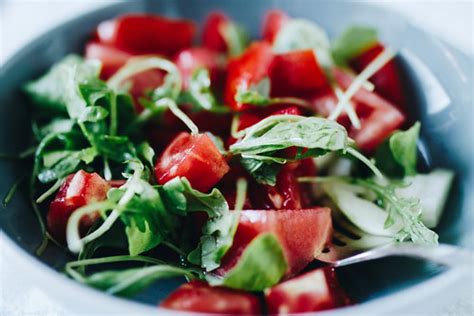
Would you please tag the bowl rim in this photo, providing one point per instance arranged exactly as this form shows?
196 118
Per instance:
40 271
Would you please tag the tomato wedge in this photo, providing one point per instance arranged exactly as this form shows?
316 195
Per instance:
302 233
212 31
113 59
246 70
295 73
191 59
197 296
78 190
272 23
387 80
147 34
379 118
194 157
313 291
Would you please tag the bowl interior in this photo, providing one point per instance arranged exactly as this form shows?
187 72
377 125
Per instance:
438 77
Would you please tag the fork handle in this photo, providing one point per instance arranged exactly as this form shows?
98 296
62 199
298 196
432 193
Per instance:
444 254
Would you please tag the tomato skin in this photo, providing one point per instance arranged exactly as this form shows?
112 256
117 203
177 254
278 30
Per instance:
379 118
211 34
313 291
302 234
147 34
194 157
198 296
246 70
285 195
252 117
78 190
112 59
296 73
190 59
272 23
387 80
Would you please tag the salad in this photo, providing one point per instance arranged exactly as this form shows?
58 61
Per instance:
226 161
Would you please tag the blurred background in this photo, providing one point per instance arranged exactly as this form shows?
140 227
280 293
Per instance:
23 20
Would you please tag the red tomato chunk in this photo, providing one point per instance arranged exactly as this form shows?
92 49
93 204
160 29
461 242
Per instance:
147 34
198 296
274 20
302 233
78 190
212 36
296 73
194 157
313 291
246 70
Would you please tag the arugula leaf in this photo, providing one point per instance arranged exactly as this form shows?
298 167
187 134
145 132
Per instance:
66 165
397 156
131 281
217 234
199 92
261 266
279 132
258 94
354 41
304 34
140 241
402 212
262 171
93 114
235 37
50 91
183 199
408 209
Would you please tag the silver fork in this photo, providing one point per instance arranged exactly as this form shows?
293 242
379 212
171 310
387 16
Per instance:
350 245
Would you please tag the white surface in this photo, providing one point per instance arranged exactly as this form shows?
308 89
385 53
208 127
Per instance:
22 20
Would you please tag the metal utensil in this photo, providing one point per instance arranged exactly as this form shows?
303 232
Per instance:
350 245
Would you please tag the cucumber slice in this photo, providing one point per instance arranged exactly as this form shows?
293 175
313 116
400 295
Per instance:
432 189
361 212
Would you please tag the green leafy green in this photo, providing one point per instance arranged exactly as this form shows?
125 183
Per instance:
183 199
405 212
131 281
304 34
279 132
199 92
50 92
261 266
258 94
235 37
262 171
397 156
354 41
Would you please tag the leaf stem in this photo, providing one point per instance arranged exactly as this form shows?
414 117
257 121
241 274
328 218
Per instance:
367 162
50 191
181 115
11 192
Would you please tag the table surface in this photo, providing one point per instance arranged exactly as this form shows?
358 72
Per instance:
18 295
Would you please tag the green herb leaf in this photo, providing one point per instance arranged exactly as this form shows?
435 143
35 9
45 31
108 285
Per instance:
199 92
304 34
140 241
261 266
354 41
397 156
183 199
235 37
131 281
279 132
93 114
50 91
258 94
262 171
